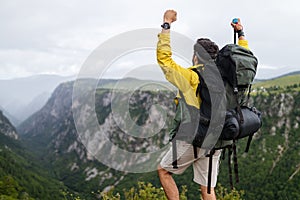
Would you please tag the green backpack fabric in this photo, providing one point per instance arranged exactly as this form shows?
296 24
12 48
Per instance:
237 66
233 71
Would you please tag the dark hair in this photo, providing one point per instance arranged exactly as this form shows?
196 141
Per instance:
205 47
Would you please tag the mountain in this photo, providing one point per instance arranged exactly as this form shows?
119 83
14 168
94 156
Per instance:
81 133
287 74
11 118
21 176
53 134
21 97
6 128
271 168
281 81
134 84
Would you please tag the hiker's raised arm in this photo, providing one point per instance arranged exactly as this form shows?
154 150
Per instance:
238 27
182 78
170 16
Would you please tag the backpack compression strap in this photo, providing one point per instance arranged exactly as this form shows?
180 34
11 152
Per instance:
211 153
174 154
199 77
239 110
232 149
229 167
236 172
248 143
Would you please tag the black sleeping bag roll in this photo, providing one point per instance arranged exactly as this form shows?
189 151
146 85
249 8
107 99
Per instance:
231 126
252 122
234 130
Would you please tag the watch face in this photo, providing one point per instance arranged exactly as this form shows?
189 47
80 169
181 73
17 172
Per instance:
166 25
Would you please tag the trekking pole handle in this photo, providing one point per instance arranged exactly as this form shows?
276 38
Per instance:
235 20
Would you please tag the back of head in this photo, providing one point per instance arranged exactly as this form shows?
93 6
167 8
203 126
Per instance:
206 49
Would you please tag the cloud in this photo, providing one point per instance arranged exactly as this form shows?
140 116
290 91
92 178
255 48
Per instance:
267 67
267 72
18 63
57 36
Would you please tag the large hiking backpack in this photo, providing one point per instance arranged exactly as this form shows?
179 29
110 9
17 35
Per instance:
237 67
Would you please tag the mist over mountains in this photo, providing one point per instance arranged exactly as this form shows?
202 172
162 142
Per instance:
22 97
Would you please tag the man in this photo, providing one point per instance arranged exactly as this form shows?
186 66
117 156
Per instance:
186 80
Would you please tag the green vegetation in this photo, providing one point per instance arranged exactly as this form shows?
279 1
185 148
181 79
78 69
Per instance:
11 190
281 82
146 191
269 171
21 177
266 171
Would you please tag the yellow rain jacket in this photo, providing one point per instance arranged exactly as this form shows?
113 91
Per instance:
185 79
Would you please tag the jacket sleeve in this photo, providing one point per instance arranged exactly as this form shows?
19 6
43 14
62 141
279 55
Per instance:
180 77
244 43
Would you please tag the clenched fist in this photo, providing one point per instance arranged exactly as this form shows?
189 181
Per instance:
238 26
170 16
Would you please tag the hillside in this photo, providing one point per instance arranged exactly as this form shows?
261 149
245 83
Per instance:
73 157
134 84
271 169
280 82
268 171
21 175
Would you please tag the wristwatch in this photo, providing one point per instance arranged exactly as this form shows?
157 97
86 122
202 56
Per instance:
166 26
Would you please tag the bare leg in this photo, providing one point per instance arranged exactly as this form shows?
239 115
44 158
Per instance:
205 195
168 184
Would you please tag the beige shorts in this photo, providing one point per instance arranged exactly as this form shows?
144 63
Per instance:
185 158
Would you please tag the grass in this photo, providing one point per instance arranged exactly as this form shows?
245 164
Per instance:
279 82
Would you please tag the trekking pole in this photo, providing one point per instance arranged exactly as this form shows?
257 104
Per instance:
234 36
235 21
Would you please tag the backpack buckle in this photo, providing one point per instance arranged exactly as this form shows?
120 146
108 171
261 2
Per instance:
235 90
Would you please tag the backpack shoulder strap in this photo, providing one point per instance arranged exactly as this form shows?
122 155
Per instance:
197 71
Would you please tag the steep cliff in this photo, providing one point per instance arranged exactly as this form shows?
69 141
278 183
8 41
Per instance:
7 128
21 175
271 168
87 154
85 161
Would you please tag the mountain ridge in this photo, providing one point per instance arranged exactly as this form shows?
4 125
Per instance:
276 77
21 97
273 147
27 95
51 135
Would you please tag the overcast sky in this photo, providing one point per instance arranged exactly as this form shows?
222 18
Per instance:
57 36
